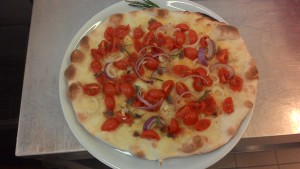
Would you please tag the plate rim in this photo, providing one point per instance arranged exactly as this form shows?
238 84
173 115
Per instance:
226 148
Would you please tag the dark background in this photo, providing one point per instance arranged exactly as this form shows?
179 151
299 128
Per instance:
15 18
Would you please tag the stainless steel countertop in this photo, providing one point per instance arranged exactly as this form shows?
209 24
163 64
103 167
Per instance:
270 28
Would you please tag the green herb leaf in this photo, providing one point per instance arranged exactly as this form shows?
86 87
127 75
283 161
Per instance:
179 54
144 4
130 100
123 49
137 88
158 123
154 78
204 96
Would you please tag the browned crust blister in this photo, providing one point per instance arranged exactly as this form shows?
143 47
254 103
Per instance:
197 143
85 43
74 90
70 72
77 56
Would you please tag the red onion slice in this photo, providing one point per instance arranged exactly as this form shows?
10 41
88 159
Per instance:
159 103
219 65
147 47
211 49
201 56
137 67
143 100
109 72
152 122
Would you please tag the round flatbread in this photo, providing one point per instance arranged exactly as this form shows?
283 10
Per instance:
162 84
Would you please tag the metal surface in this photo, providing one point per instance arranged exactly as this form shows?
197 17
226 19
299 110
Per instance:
270 28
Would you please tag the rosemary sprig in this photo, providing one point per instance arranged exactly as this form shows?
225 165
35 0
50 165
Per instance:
142 4
204 96
155 78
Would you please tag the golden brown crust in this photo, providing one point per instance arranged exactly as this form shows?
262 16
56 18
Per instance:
252 73
84 43
116 18
232 130
248 104
161 13
137 151
77 56
74 90
228 32
81 116
70 72
196 143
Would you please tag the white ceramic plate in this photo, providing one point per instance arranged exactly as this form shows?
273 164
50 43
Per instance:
108 154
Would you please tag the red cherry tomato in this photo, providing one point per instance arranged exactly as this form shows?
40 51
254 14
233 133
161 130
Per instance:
182 70
197 84
121 64
167 86
156 94
110 124
203 42
138 33
103 79
128 78
193 37
109 89
200 71
236 83
190 53
228 105
169 43
118 86
127 118
197 106
180 39
207 82
96 54
137 44
202 124
154 25
121 31
183 27
191 118
104 47
149 134
109 34
222 56
132 58
182 112
210 106
127 89
96 66
160 40
149 39
223 75
116 45
174 126
91 89
151 64
181 88
110 102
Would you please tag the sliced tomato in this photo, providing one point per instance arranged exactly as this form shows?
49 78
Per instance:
110 102
200 71
222 56
149 134
183 111
121 64
104 47
193 37
190 53
96 54
183 27
180 39
228 105
149 39
207 82
116 45
210 106
223 75
236 83
182 88
156 94
160 40
127 89
203 42
127 118
103 79
110 124
169 43
118 86
190 118
132 58
128 78
137 44
96 66
197 106
91 89
151 64
167 86
138 33
121 31
174 126
109 34
154 25
109 89
182 70
197 84
202 124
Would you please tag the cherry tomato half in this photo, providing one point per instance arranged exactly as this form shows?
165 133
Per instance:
127 89
202 124
174 126
149 134
110 124
183 27
156 94
91 89
236 83
96 66
190 53
151 64
138 33
182 70
110 102
193 37
181 88
228 105
191 118
167 86
109 89
222 56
